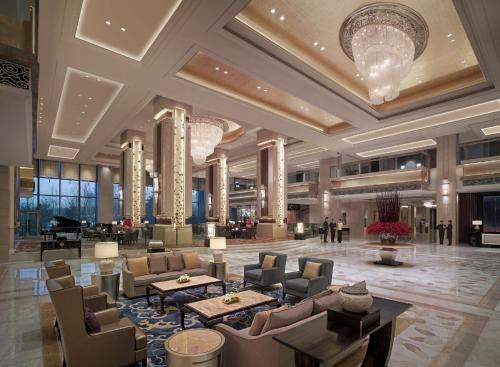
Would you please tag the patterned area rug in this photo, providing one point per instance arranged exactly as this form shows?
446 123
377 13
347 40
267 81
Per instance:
159 327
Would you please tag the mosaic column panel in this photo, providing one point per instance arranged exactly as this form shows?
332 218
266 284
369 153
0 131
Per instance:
217 186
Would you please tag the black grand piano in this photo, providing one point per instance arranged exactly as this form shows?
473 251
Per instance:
65 225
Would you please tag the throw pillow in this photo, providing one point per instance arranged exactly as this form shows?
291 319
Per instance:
67 281
268 262
59 262
289 316
191 260
311 270
91 323
138 266
260 318
175 262
158 263
323 303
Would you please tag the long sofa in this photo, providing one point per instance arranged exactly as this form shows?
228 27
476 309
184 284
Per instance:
160 266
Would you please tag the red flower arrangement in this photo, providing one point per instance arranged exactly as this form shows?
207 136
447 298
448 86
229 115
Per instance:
397 228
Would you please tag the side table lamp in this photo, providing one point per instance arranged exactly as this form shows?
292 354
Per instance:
106 251
217 244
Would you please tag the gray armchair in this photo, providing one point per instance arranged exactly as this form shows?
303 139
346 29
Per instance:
254 274
301 287
57 268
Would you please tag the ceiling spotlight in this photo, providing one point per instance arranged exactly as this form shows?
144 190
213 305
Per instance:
322 48
90 98
79 94
273 11
226 72
217 68
83 112
316 43
357 75
108 22
41 103
450 35
282 18
41 98
265 90
452 40
86 76
122 29
258 87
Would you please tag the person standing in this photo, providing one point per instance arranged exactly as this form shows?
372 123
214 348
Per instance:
449 232
325 230
441 230
333 227
340 225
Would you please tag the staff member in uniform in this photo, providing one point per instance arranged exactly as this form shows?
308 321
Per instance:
340 225
325 230
441 230
449 232
333 227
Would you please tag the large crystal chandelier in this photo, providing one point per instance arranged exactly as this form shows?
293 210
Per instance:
206 133
383 40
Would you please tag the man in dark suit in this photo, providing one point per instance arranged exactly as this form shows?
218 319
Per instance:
325 230
333 227
449 232
441 229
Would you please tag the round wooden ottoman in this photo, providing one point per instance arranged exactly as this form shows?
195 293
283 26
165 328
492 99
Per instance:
195 348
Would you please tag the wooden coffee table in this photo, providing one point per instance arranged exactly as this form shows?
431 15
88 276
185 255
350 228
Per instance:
213 309
171 286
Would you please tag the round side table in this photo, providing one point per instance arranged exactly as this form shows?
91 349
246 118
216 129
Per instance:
109 283
218 270
195 348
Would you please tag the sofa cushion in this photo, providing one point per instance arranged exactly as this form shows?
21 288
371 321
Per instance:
191 260
91 323
311 270
196 271
255 274
140 337
260 319
289 316
134 256
323 303
58 262
67 281
175 262
158 263
268 262
138 266
298 284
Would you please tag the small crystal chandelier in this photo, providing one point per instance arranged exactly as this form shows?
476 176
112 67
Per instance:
383 40
206 133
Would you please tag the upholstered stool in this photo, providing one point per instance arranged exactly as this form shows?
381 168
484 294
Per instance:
195 348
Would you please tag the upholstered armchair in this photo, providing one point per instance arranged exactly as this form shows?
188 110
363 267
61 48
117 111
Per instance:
303 287
119 343
57 268
255 274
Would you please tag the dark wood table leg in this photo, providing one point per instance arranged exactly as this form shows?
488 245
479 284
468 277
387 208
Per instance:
148 290
223 287
302 360
380 346
183 314
162 302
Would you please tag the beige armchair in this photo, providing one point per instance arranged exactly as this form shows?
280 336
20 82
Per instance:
57 268
119 343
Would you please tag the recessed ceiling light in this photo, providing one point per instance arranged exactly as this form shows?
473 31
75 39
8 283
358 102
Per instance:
273 11
86 76
79 94
450 35
358 75
258 87
316 43
122 29
217 68
265 90
226 72
452 40
322 48
282 18
83 112
41 103
41 98
90 98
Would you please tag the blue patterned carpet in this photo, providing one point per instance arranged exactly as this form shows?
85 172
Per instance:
158 327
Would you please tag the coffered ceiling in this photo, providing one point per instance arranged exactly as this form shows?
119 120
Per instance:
173 49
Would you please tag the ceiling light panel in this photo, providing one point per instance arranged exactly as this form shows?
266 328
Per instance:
208 72
491 130
427 122
397 148
56 151
75 122
126 27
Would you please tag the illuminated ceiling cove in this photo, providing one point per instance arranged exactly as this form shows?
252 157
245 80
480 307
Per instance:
85 98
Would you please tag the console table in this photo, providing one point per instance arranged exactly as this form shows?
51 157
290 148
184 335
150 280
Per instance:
315 346
60 245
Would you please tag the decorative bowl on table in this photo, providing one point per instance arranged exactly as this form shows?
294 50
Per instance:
230 297
355 298
184 278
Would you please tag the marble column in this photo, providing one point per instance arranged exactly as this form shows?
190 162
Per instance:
216 187
172 171
446 181
7 204
104 194
328 205
133 175
271 185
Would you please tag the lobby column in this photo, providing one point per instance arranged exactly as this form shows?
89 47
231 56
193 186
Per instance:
172 172
7 204
133 175
217 187
105 194
271 185
328 205
446 181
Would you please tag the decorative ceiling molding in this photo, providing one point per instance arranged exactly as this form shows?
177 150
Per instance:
397 148
56 151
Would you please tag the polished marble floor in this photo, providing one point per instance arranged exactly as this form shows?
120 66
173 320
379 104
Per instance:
455 290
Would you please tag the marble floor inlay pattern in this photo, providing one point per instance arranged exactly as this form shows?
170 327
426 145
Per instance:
455 290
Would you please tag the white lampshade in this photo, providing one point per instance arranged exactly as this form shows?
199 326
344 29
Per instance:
477 222
300 227
106 250
211 230
146 222
114 222
218 243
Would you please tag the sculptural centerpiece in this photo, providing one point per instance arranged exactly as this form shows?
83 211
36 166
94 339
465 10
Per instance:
355 298
184 278
231 297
